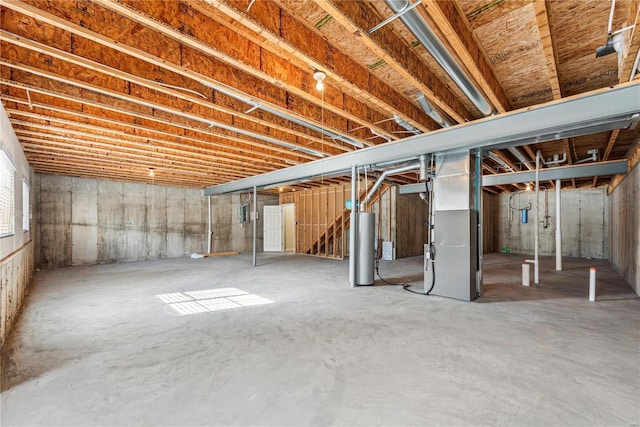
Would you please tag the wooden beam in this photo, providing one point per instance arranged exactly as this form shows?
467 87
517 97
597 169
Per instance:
632 42
176 143
276 101
137 119
357 17
453 25
607 152
548 45
153 82
133 99
228 47
634 158
567 148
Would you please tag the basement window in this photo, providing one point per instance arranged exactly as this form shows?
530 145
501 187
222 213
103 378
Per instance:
208 300
7 214
25 205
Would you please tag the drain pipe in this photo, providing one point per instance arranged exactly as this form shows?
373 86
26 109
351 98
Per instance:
384 175
414 22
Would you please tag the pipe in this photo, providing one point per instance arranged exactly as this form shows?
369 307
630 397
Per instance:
408 126
381 135
256 105
521 157
592 284
414 22
255 227
558 229
501 162
536 261
424 169
556 160
209 227
384 175
352 229
437 117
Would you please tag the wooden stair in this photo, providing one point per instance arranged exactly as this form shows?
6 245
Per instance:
324 244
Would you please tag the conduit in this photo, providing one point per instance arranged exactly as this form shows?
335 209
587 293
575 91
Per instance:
414 22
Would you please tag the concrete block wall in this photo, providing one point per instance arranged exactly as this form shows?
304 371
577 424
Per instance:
584 221
625 228
86 221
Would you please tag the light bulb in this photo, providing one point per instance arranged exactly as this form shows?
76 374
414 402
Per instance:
151 172
319 76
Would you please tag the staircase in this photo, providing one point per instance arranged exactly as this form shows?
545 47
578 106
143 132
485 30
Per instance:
325 244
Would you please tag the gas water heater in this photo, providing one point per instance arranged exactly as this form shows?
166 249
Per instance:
365 267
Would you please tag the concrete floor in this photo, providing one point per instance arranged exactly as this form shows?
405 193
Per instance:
96 346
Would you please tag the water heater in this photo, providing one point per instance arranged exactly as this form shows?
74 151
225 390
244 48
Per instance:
365 267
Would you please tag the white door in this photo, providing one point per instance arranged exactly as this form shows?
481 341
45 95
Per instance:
272 228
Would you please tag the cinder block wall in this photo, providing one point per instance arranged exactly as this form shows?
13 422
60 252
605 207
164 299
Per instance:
86 221
584 221
625 228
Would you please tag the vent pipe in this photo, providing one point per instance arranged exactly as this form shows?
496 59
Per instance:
414 22
384 175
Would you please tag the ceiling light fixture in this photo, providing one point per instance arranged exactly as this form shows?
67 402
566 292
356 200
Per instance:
151 172
319 76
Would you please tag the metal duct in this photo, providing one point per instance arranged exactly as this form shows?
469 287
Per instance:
501 162
521 157
423 33
442 121
384 175
256 105
406 125
424 168
381 135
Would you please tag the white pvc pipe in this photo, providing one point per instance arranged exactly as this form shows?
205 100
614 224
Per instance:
592 284
352 228
536 219
526 274
558 229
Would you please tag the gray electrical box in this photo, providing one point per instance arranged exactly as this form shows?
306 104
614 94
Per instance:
456 254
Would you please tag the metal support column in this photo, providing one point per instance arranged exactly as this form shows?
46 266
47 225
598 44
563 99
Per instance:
558 228
537 220
255 226
209 225
352 228
478 207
